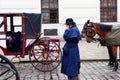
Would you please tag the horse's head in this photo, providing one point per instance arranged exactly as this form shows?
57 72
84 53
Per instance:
88 31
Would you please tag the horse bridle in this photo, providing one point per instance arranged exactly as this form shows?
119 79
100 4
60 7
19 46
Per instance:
89 31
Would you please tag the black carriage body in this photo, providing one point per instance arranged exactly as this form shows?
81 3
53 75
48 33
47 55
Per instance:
44 53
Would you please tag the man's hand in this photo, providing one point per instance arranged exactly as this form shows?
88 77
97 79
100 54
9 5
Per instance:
67 27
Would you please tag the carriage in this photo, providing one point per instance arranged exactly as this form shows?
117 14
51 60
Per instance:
20 35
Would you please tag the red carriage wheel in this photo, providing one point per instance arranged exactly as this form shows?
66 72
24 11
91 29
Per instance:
45 55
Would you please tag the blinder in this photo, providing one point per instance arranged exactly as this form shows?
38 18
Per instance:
89 30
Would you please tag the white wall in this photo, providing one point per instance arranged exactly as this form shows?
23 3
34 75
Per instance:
18 6
79 10
118 10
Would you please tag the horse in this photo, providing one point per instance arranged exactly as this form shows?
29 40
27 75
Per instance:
90 29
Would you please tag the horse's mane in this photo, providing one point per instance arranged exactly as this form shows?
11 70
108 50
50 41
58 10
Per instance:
104 27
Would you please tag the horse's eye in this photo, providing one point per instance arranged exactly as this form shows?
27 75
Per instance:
92 30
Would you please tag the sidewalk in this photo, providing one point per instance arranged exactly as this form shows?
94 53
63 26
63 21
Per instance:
96 69
91 51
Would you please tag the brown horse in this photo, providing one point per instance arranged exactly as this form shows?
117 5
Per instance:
89 31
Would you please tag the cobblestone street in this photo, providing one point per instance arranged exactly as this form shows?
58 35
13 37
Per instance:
94 60
90 70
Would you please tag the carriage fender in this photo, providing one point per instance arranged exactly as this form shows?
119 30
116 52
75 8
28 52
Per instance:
4 50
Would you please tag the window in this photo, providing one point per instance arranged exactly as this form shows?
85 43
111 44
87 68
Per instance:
49 11
108 10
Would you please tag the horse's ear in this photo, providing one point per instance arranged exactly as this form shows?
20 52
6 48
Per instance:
88 21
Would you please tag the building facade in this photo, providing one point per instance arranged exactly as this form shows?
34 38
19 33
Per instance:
55 12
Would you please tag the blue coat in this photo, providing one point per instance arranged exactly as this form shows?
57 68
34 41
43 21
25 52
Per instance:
71 62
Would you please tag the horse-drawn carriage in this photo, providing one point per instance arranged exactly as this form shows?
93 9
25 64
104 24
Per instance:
21 35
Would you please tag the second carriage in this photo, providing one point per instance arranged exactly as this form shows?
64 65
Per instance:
21 34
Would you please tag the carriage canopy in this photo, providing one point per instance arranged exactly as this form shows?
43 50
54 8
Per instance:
33 24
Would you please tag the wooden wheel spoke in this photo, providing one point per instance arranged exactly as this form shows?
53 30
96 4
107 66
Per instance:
50 57
5 72
52 54
53 47
39 57
1 60
37 54
38 51
9 76
46 53
42 66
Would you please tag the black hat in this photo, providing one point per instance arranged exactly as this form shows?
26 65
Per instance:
69 21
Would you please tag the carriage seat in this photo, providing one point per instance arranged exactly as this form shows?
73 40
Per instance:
13 41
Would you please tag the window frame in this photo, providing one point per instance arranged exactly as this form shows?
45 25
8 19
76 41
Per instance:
108 10
50 14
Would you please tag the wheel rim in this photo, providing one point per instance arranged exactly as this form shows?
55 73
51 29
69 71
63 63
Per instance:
45 57
7 69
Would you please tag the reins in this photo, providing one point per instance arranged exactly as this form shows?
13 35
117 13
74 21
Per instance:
101 34
95 40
